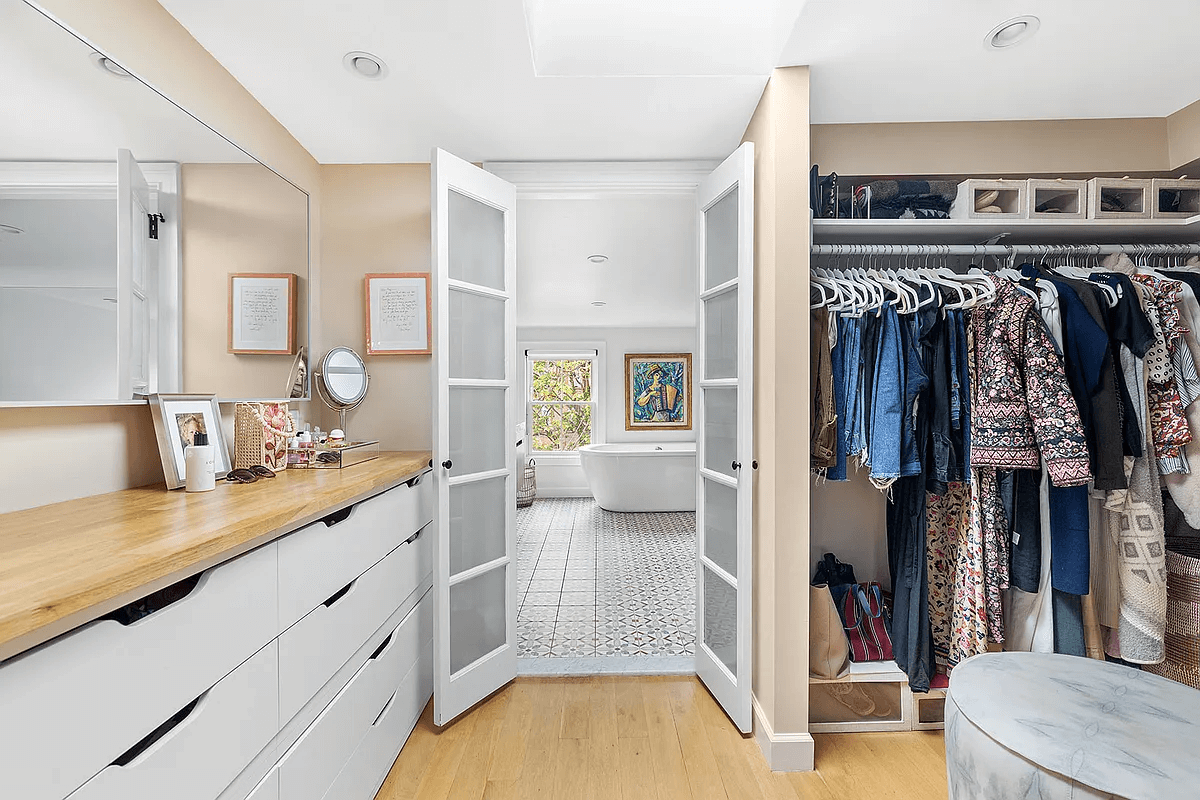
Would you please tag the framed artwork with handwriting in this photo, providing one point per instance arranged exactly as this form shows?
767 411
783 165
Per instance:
398 314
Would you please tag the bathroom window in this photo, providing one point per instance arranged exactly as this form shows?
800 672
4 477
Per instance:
562 404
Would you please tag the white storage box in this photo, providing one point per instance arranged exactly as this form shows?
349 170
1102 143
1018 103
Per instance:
1056 199
990 199
1175 198
1119 198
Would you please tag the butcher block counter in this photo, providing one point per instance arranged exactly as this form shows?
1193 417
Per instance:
64 564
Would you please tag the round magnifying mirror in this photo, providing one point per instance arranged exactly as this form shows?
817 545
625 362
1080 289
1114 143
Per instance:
342 380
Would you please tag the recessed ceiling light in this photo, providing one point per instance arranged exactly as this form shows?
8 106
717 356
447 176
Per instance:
109 66
365 65
598 258
599 303
13 229
1012 32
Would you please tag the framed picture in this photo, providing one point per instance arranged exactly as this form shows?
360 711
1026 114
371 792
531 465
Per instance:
658 391
177 418
399 315
262 313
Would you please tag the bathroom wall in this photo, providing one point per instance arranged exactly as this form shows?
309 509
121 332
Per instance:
119 442
561 476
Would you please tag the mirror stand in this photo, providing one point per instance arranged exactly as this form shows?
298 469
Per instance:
342 382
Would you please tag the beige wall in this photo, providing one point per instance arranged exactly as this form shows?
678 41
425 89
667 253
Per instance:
780 132
377 219
1047 147
57 444
237 218
1183 135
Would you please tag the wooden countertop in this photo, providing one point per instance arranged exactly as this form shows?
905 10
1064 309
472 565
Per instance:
64 564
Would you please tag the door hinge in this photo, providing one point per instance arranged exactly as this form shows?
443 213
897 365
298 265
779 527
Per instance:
154 220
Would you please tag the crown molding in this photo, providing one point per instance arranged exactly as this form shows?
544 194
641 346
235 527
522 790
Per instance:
594 179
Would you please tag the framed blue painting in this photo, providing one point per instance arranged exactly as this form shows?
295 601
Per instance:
658 391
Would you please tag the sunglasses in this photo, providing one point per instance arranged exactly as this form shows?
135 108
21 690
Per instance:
249 475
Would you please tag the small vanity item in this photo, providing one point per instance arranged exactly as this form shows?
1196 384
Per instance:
261 432
334 457
337 437
342 381
201 475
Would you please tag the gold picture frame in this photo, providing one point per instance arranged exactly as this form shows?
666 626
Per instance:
658 391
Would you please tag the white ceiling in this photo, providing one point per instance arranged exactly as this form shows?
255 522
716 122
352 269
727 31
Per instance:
58 106
925 60
671 79
463 76
649 279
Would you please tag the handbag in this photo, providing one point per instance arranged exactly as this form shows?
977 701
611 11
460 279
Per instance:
829 649
260 435
833 572
863 620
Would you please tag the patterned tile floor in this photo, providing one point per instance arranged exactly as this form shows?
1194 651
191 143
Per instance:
596 583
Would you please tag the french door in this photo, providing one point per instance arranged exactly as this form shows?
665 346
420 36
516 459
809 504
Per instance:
724 433
474 419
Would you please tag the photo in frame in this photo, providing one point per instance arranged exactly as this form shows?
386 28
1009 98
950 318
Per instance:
177 418
262 313
398 314
658 391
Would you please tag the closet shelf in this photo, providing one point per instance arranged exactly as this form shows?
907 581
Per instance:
1032 231
869 672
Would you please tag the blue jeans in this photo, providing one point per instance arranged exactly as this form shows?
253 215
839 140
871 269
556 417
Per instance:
847 343
887 402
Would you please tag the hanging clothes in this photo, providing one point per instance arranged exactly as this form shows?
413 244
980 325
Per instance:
822 426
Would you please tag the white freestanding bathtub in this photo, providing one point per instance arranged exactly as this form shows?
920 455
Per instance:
641 476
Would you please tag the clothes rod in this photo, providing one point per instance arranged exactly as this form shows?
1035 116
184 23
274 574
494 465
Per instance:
1002 249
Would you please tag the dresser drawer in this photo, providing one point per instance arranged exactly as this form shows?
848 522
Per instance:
318 560
313 649
268 789
197 753
72 706
376 753
309 768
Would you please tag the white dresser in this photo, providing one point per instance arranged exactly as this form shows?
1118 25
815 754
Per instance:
294 671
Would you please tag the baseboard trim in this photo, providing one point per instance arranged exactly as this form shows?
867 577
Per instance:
564 491
785 752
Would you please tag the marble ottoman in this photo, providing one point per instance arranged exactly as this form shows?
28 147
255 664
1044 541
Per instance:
1051 727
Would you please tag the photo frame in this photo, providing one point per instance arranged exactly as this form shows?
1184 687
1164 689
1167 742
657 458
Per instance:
262 313
399 314
658 391
177 415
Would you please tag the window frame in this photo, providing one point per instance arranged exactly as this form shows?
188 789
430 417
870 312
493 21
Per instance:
564 351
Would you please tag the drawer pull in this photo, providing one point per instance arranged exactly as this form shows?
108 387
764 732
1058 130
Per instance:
339 594
338 516
386 708
411 482
382 646
155 601
156 735
414 537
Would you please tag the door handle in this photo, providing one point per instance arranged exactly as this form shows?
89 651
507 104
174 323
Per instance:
737 465
447 464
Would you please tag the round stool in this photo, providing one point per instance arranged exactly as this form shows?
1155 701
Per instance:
1025 725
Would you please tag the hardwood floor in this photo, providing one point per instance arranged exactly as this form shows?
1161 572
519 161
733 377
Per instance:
635 738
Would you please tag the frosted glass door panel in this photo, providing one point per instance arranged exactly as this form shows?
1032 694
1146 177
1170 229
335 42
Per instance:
720 430
721 336
477 431
720 619
476 241
478 611
720 525
477 521
476 336
721 241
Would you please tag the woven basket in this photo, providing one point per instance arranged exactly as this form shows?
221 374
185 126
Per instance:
1183 613
527 486
260 435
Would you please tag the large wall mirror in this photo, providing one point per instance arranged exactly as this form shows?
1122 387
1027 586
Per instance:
122 218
